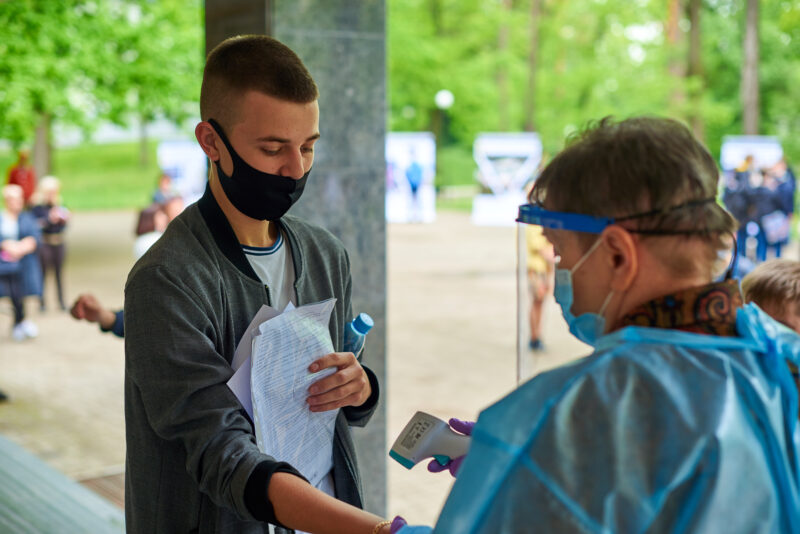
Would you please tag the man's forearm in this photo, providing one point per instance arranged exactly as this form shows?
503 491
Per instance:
299 505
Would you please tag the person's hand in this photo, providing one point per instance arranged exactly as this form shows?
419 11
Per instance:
88 308
57 214
348 386
462 427
10 250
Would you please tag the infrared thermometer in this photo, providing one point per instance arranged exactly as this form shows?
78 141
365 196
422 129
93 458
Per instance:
426 436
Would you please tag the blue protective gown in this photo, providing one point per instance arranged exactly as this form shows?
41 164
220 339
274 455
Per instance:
657 431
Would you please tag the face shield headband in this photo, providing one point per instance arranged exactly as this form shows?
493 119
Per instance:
591 224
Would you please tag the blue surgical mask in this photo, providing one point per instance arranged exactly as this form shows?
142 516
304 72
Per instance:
587 327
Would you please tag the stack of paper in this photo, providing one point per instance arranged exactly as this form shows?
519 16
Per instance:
272 381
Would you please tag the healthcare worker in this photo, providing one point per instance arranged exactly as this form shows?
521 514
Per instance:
684 418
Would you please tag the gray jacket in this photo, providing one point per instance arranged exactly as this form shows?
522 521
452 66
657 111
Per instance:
192 460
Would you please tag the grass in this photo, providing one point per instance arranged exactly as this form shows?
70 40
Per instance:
455 166
460 204
101 177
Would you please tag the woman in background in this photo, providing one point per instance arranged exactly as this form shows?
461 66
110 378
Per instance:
53 218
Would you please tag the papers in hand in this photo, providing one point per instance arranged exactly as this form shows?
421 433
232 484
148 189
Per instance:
272 381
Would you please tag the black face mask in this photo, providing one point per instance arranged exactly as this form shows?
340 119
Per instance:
257 194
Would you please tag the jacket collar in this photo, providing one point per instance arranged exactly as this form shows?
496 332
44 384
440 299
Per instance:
223 233
228 243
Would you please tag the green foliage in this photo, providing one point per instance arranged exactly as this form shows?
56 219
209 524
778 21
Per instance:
159 52
595 58
47 59
82 61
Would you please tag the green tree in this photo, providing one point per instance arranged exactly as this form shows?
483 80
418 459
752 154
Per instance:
592 59
48 68
78 62
749 88
158 50
694 71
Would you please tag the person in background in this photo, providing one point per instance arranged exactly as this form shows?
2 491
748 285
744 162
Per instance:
782 186
53 218
787 185
164 192
775 287
20 272
415 176
23 175
88 308
684 418
540 275
162 216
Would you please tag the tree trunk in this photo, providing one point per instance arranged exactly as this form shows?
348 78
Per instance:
750 103
42 149
675 60
436 16
695 71
144 153
533 63
502 71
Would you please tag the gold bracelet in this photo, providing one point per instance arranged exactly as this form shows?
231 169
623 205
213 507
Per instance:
380 525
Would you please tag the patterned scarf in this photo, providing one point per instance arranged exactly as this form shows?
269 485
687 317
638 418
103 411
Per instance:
709 309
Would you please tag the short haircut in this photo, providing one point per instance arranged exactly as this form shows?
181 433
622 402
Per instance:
639 165
774 284
251 63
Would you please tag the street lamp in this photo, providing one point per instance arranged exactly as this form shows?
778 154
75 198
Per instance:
444 99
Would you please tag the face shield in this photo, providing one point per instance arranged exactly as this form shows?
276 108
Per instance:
543 339
539 320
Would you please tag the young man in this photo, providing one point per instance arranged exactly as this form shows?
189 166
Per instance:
684 419
192 460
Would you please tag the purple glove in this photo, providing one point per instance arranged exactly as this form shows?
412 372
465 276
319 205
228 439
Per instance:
397 523
462 427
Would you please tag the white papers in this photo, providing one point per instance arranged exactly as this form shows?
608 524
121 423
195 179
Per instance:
240 381
282 349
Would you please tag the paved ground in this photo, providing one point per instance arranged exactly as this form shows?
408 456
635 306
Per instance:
451 348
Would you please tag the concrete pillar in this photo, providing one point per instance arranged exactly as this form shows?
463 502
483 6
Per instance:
342 43
226 18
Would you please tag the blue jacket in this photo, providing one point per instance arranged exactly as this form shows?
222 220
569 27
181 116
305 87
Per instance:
656 431
29 265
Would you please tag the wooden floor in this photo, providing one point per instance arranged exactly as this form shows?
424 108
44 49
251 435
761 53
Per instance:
110 487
